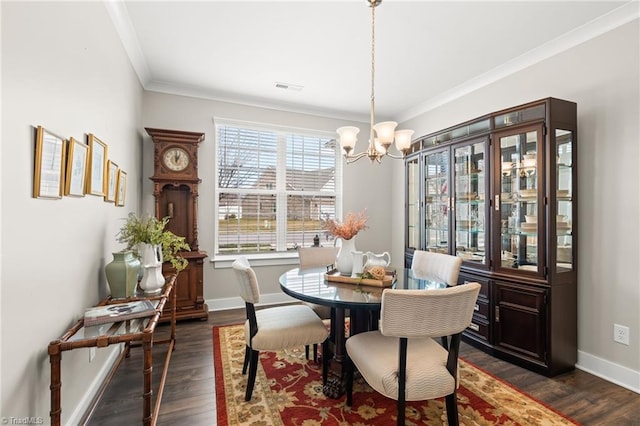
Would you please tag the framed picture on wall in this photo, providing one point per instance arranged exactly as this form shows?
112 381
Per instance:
76 175
48 177
97 166
112 178
121 188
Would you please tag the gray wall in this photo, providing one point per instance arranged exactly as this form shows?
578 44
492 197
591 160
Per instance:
366 186
602 77
63 67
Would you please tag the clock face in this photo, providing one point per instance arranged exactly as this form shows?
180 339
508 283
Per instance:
175 159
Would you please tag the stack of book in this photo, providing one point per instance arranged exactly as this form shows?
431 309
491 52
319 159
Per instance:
118 312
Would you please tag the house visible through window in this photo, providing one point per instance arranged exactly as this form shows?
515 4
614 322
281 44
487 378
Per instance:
275 187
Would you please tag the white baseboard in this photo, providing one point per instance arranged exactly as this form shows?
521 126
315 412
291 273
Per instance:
609 371
87 398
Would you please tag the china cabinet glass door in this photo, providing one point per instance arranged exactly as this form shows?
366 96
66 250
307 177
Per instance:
470 196
436 201
519 200
413 203
564 202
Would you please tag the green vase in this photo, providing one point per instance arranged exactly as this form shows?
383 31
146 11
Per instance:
122 274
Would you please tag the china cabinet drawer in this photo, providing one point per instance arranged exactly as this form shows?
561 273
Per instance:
478 329
484 284
481 309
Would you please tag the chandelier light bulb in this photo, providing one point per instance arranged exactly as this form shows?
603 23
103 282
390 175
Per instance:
403 139
348 137
385 131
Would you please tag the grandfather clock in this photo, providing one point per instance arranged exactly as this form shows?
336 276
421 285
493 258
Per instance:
175 189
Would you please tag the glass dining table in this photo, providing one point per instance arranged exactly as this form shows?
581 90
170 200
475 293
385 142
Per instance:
362 302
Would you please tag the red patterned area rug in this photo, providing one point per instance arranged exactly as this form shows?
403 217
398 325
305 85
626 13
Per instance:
288 391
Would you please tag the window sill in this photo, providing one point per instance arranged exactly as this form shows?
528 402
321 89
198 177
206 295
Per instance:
273 259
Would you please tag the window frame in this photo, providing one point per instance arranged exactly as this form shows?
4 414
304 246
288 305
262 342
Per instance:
282 257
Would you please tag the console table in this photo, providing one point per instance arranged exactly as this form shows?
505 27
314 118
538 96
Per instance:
140 331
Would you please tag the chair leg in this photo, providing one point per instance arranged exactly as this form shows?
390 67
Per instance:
402 380
452 409
315 352
445 342
253 369
401 408
245 363
349 378
306 352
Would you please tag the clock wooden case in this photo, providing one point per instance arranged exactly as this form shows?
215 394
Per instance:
175 189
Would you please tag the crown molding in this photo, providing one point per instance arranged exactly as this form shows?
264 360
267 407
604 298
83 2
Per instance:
120 17
622 15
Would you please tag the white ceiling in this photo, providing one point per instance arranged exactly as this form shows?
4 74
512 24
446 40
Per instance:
426 52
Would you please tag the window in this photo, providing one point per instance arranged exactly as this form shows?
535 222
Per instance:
274 188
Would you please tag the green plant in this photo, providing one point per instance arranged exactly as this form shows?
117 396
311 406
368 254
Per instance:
151 230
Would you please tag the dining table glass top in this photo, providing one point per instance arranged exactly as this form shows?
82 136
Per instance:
310 285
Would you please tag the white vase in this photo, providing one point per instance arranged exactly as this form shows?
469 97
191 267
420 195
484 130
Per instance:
152 279
344 259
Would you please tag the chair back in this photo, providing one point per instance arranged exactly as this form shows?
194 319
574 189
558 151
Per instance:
314 257
247 280
428 313
436 266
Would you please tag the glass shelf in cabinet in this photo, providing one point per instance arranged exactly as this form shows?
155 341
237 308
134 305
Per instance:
437 228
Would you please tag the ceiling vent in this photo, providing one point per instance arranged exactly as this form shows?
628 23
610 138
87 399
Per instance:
288 86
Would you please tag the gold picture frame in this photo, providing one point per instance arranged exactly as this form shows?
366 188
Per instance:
75 182
121 188
97 170
48 177
112 180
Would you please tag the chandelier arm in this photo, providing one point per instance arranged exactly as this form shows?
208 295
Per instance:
355 157
397 157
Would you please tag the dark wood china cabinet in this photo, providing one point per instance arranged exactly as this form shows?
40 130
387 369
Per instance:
500 191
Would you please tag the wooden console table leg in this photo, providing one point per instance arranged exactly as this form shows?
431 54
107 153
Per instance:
147 344
56 383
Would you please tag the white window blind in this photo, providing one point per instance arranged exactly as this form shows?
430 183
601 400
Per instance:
275 187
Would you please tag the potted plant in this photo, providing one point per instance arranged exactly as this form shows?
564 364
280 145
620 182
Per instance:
153 244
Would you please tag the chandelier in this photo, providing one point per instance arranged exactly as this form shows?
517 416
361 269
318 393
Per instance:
386 131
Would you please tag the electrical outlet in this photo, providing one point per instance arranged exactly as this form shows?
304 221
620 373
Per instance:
621 334
92 353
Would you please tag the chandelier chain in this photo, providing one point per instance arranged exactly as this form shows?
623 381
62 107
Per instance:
386 131
373 71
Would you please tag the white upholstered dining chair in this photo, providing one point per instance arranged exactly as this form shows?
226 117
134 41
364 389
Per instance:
436 266
401 360
274 328
315 257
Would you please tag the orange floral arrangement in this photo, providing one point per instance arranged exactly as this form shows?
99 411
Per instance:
352 224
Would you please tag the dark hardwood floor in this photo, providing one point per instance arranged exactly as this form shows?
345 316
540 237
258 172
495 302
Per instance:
189 392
